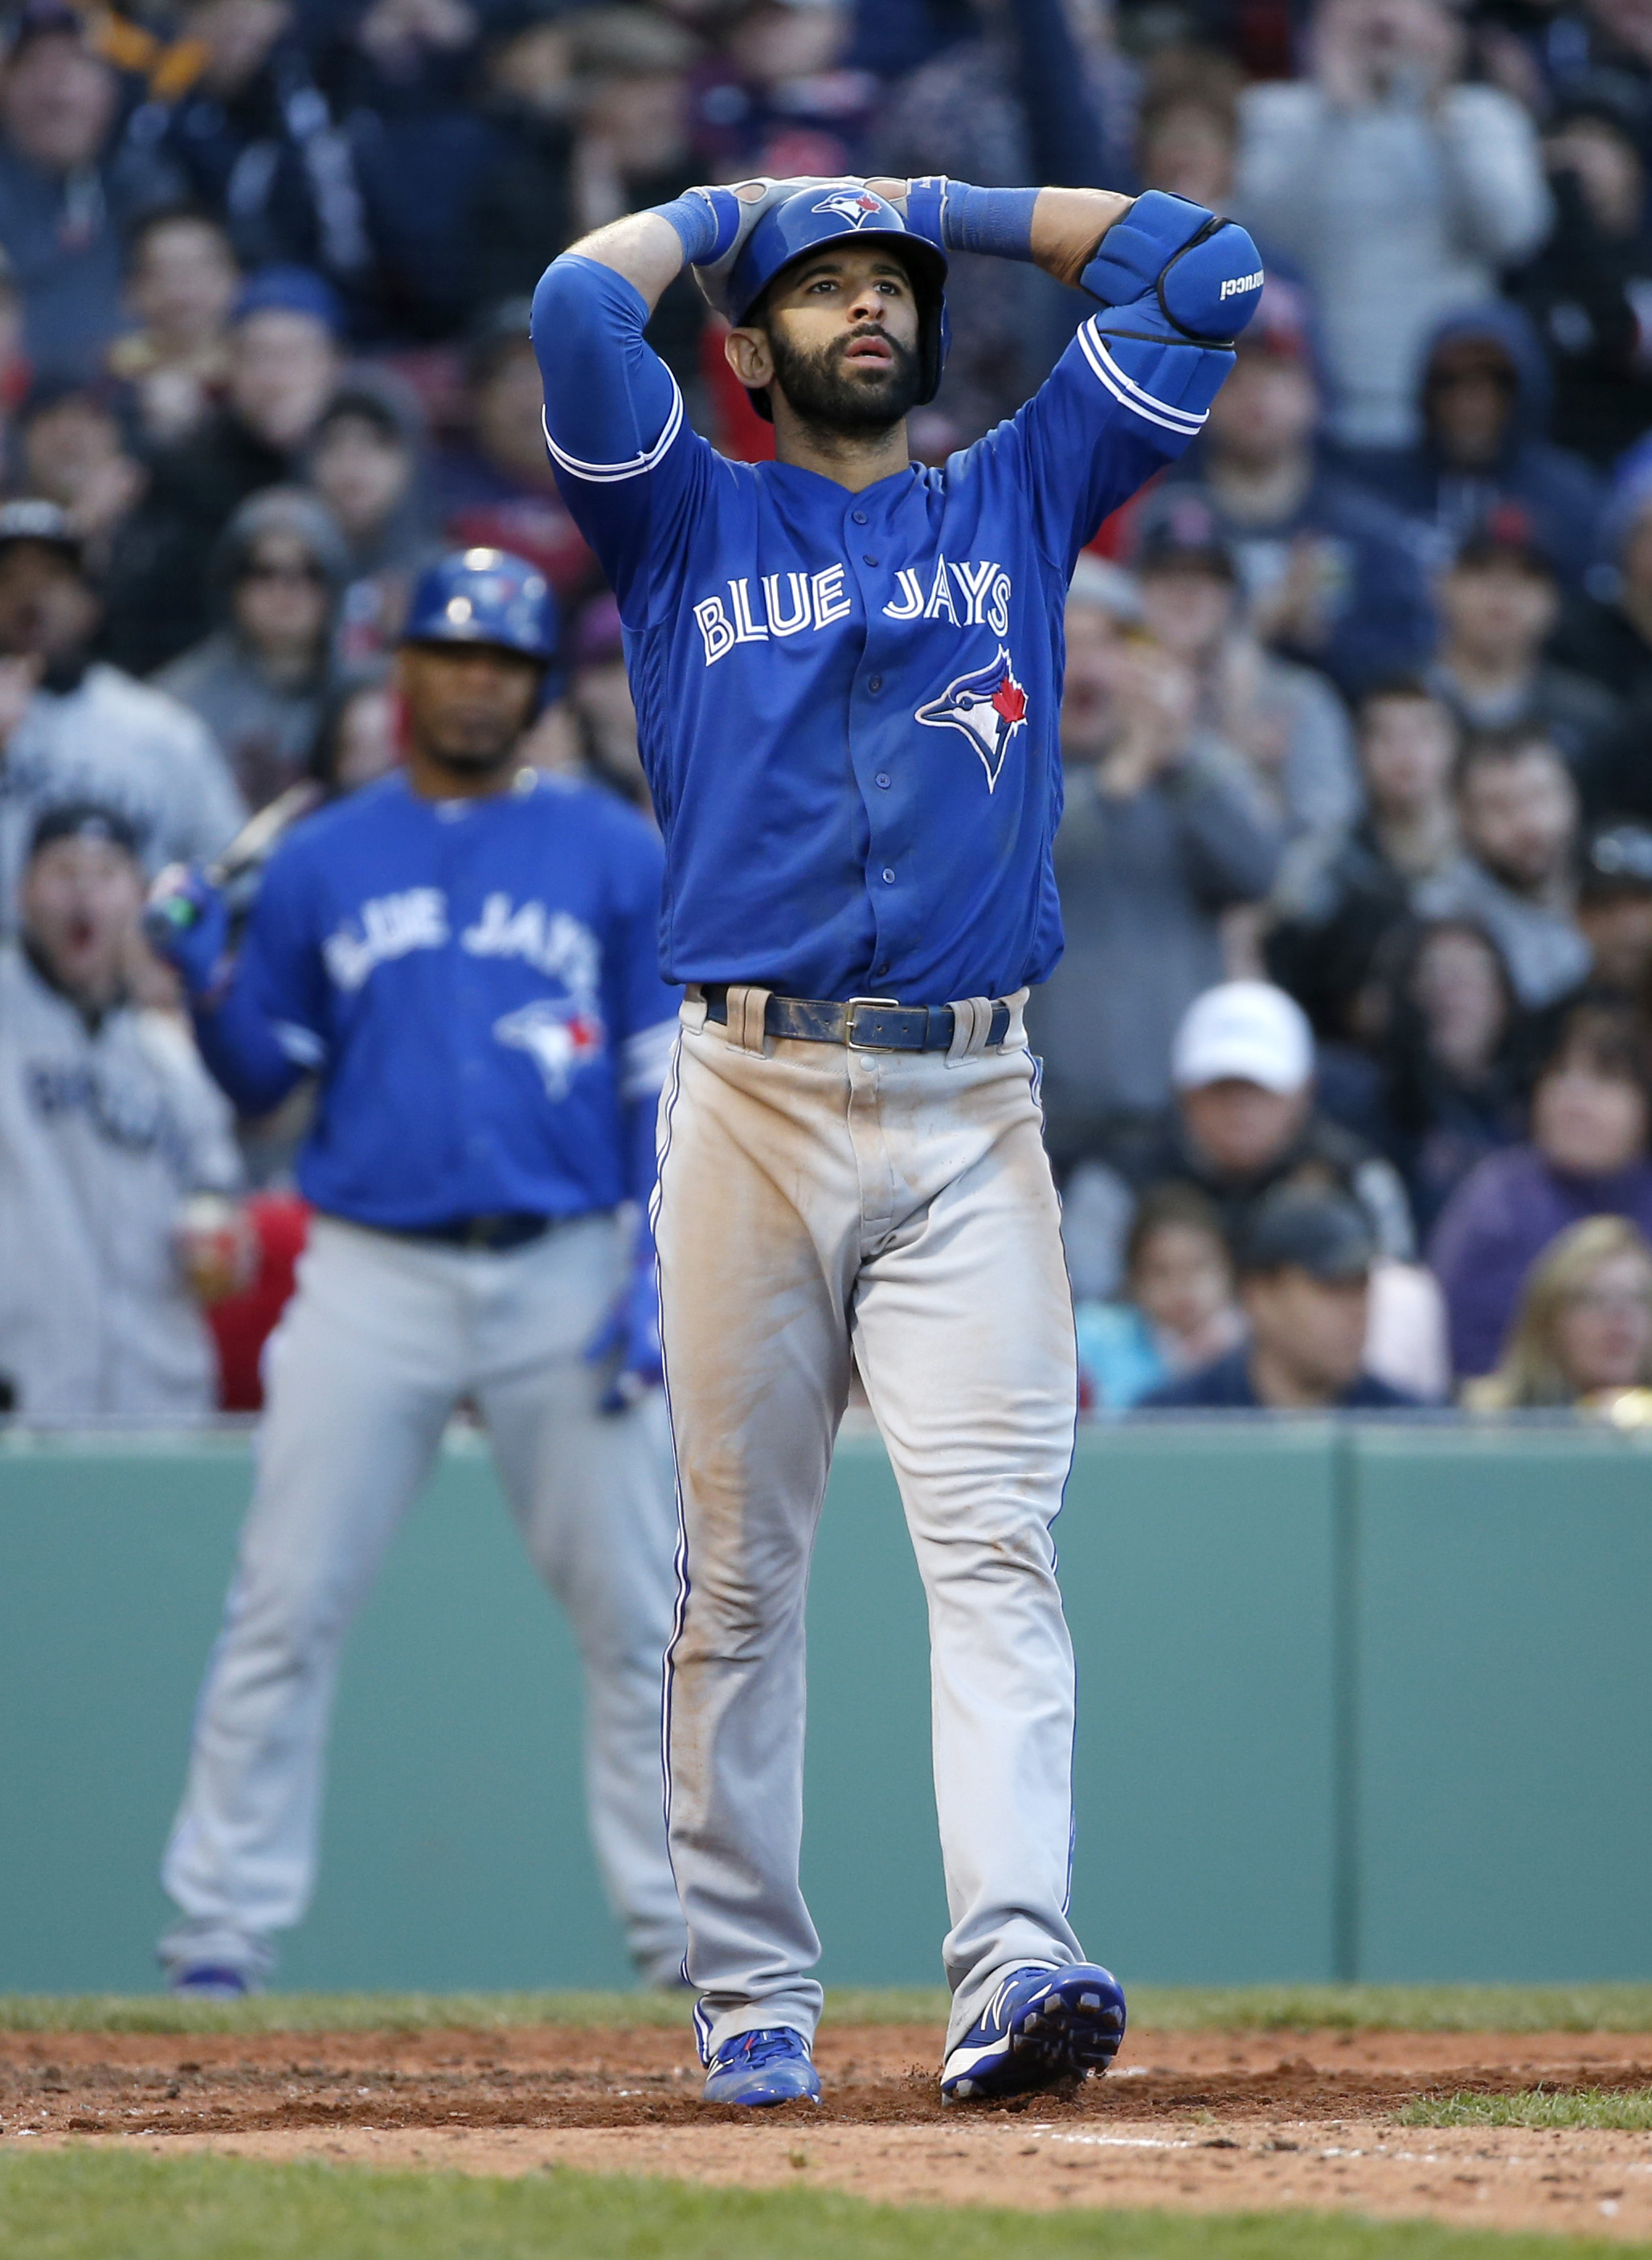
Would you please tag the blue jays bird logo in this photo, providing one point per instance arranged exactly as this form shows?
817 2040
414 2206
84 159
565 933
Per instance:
852 204
989 705
559 1038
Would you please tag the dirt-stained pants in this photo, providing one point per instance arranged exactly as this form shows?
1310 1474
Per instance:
816 1200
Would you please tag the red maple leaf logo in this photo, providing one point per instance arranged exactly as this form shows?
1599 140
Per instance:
1010 700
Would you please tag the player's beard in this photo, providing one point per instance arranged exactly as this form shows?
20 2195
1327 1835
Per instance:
820 390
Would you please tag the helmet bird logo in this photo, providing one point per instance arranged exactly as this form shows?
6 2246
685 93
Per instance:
855 205
987 705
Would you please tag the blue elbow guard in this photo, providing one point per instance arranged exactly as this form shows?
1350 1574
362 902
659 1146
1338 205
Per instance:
1174 272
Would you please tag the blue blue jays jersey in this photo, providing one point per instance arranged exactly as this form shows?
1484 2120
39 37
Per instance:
848 703
476 983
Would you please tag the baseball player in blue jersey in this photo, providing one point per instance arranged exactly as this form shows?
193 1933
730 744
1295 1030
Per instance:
465 955
847 675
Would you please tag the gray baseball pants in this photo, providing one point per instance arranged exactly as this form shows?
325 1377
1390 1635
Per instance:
382 1339
816 1201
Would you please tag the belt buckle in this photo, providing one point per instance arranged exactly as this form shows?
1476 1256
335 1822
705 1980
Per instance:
848 1022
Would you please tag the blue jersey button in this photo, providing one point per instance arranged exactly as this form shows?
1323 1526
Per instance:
889 877
875 685
871 561
859 516
881 778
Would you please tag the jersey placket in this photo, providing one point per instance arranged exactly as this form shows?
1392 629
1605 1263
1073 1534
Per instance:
872 533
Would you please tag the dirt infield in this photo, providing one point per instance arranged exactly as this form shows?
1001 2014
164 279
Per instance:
1208 2120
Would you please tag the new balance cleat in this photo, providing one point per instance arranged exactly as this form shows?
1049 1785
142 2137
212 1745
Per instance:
762 2068
1040 2026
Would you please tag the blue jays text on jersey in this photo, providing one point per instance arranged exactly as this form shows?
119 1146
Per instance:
847 704
476 983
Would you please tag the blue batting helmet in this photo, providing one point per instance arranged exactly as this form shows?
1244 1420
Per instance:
826 215
485 596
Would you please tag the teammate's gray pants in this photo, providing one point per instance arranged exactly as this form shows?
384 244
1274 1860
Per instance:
383 1336
812 1197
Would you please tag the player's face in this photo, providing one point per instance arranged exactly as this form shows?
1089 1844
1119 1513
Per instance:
466 704
840 341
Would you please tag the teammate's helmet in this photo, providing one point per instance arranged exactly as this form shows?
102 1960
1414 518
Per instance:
485 596
821 215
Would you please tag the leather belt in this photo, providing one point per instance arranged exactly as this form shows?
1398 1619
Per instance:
497 1233
866 1023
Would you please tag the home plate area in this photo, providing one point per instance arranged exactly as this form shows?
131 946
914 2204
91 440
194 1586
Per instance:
1191 2120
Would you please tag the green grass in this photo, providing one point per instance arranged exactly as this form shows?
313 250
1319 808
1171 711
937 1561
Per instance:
1153 2008
1628 2109
75 2204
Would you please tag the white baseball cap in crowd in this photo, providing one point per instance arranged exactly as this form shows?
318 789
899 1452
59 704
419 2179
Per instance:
1248 1031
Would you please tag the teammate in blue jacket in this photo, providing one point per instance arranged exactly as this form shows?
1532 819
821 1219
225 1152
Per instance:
465 955
848 674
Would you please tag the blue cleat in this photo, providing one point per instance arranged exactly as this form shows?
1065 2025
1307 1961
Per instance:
762 2068
210 1981
1040 2026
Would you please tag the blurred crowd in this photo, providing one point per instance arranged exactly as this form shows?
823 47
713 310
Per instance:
1348 1064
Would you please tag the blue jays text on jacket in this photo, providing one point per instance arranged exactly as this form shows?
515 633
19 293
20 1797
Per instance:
847 704
478 984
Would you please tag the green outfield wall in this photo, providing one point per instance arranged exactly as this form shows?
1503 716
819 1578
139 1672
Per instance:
1369 1702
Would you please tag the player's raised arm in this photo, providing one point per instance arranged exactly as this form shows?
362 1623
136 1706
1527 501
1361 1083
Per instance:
1176 284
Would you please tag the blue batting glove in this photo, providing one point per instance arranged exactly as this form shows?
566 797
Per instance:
187 922
629 1338
1182 275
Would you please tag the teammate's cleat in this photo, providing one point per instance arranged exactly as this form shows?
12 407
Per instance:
1039 2027
210 1981
762 2068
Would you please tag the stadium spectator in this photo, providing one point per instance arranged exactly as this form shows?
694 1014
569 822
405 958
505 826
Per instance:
182 280
108 1125
1397 191
1589 289
776 98
1187 126
1605 632
1165 831
73 728
355 738
1614 909
282 371
1243 1122
1482 408
591 116
72 449
1335 907
398 73
1586 1156
1304 1263
64 199
1451 1065
252 138
1178 1311
1331 576
1517 813
1584 1329
1285 720
1500 601
495 488
257 682
366 462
